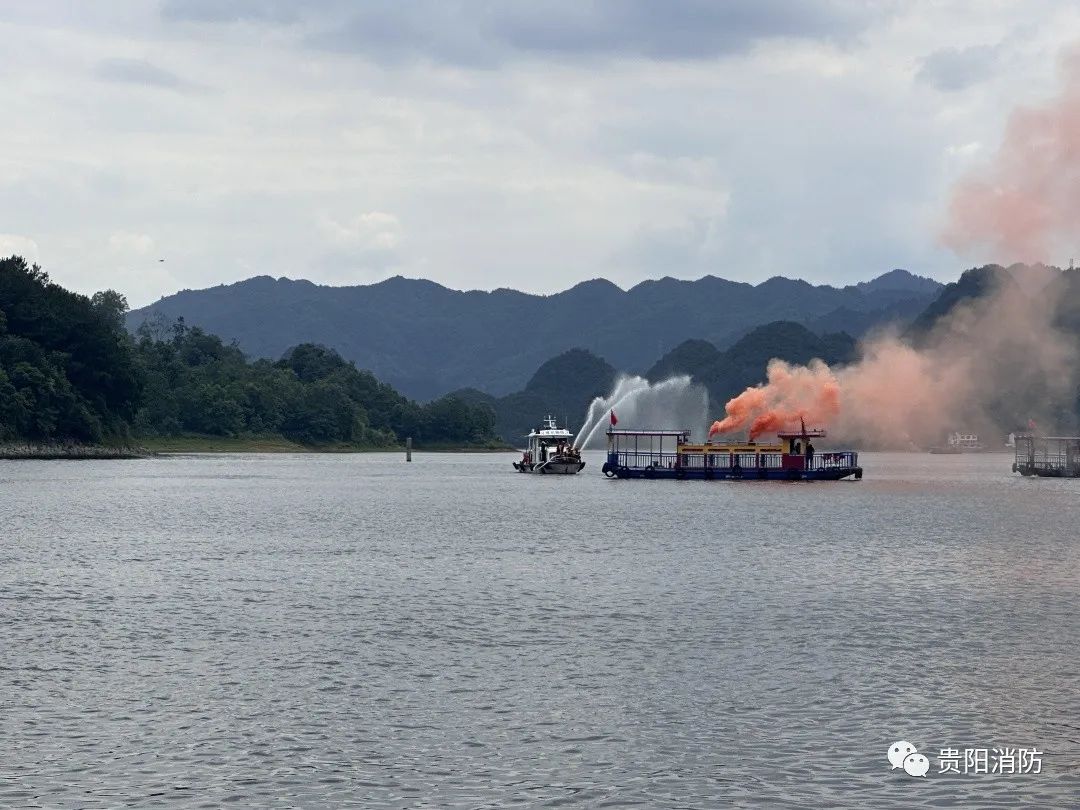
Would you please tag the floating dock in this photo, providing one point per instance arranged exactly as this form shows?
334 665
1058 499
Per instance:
1047 456
669 454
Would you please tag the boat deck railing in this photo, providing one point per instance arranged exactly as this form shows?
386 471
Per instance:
1050 463
1042 455
633 459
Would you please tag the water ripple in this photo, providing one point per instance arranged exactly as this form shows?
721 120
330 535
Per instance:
282 631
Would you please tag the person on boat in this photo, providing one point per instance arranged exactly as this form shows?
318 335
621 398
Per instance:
809 453
796 448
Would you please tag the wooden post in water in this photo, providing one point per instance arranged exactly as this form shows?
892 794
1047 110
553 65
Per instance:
408 449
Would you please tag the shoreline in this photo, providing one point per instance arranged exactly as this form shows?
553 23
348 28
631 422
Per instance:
162 448
276 444
31 451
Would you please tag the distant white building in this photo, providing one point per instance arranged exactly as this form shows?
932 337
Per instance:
964 441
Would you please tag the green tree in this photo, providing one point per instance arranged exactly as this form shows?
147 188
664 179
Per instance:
70 372
112 306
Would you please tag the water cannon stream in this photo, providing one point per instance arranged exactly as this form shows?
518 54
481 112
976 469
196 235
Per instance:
674 404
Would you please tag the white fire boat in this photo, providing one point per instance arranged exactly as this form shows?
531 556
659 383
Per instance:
550 450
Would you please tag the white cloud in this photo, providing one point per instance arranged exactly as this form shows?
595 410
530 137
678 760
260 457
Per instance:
950 69
126 242
375 230
807 144
964 150
688 248
359 249
141 71
14 245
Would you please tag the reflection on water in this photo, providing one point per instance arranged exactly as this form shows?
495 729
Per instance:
326 630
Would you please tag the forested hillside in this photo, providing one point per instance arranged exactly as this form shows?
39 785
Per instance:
563 387
70 372
196 384
727 373
67 369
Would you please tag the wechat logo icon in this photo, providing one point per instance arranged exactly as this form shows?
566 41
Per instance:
903 754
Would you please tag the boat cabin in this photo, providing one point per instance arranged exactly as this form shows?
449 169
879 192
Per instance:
547 439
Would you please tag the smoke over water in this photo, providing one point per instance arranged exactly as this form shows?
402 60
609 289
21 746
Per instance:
988 367
674 404
1005 355
1029 196
792 393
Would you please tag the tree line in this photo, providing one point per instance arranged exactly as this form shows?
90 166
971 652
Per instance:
70 372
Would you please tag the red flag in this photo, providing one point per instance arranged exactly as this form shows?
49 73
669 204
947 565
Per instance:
614 418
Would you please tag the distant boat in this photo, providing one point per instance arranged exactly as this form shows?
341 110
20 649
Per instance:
550 451
959 443
1047 456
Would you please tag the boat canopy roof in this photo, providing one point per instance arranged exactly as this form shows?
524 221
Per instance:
549 429
678 433
810 433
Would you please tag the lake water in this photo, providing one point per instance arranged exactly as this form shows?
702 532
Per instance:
352 630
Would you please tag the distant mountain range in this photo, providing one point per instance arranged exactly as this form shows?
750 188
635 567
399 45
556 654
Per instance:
427 340
730 371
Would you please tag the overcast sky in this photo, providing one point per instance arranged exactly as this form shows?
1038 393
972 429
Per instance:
502 144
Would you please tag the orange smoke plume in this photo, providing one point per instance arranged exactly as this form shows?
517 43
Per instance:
1028 197
990 359
792 393
985 363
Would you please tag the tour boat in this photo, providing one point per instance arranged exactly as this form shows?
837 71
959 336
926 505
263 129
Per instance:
550 450
959 443
1047 456
669 454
